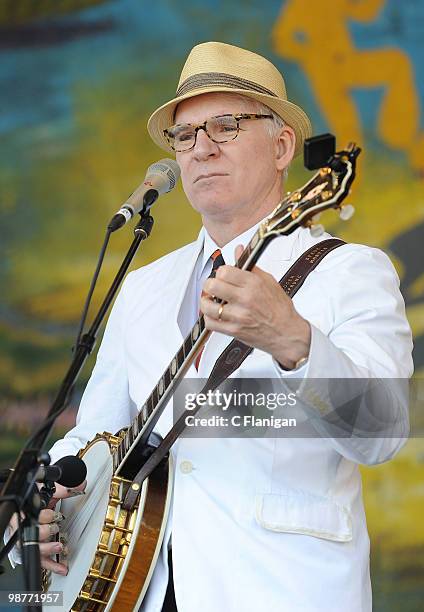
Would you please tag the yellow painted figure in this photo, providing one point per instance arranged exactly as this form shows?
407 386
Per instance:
316 35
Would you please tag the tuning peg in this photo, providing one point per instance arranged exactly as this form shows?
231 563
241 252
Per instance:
346 212
316 230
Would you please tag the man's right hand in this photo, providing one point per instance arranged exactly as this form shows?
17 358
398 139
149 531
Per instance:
49 522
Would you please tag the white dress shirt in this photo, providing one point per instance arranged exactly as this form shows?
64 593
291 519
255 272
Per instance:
191 302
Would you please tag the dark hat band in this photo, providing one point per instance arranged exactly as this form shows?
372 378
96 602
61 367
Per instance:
220 79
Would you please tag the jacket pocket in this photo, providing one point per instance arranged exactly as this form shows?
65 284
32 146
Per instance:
304 513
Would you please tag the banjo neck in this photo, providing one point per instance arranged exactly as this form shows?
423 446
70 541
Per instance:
135 438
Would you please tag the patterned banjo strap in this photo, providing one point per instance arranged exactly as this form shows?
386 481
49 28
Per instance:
231 359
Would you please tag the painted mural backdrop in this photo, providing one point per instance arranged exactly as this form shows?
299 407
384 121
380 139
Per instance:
78 79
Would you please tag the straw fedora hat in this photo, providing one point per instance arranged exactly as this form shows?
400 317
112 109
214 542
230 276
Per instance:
215 66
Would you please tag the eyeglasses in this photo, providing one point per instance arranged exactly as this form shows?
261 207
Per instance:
223 128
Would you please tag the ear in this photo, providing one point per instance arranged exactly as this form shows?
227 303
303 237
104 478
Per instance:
284 147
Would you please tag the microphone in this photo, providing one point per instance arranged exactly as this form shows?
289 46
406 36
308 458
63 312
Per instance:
69 471
161 177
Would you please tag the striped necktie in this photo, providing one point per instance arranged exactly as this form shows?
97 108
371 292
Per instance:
217 260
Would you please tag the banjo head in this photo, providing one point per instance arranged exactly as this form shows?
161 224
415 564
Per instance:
107 543
83 523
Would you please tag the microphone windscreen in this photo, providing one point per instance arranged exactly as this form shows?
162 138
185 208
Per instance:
73 469
168 167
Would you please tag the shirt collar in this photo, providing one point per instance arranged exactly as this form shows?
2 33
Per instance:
209 246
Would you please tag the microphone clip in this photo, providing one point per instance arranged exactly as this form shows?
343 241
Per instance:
46 493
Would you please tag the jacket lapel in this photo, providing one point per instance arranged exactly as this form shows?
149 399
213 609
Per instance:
187 267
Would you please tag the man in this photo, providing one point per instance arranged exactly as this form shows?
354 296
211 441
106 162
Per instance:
259 524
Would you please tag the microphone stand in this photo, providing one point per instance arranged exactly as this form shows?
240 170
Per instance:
18 492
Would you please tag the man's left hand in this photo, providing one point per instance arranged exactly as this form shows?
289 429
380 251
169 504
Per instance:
257 311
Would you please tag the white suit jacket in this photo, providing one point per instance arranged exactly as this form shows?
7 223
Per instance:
259 524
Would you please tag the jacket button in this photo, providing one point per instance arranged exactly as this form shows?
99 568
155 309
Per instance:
186 467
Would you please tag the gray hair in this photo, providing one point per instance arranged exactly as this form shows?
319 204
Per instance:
273 126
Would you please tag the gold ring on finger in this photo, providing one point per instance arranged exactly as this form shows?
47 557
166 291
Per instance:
220 311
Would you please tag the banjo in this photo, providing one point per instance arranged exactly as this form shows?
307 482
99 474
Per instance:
112 550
